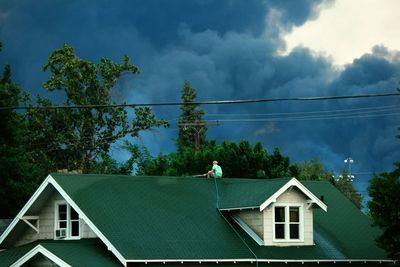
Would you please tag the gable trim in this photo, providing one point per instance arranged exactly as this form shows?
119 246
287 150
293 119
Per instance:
301 187
44 252
69 200
25 209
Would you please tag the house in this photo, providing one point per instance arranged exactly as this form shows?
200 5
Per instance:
112 220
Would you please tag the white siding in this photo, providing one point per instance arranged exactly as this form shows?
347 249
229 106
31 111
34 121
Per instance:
46 224
293 196
254 219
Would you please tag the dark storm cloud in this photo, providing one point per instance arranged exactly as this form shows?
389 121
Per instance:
241 65
227 50
297 12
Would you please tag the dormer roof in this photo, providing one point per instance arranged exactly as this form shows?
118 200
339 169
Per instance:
260 193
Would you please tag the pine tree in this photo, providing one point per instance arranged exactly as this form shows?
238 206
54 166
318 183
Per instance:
192 127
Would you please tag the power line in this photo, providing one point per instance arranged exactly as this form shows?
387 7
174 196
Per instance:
358 115
305 118
217 102
368 109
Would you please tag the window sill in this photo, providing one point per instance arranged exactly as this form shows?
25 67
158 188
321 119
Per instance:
288 241
68 238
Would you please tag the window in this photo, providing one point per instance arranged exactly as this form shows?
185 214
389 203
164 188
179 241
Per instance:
66 222
287 223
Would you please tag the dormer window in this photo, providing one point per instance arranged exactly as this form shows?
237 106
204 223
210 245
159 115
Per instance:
66 222
287 223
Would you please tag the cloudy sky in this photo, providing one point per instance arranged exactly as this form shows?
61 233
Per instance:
236 49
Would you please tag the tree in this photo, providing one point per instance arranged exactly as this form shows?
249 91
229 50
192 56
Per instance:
239 160
135 164
192 127
345 185
18 173
314 170
384 208
73 138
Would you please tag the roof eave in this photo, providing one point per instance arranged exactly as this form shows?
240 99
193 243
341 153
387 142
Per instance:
251 260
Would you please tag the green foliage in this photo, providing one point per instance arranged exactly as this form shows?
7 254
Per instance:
239 160
314 170
40 141
19 173
192 127
135 164
76 138
384 208
345 185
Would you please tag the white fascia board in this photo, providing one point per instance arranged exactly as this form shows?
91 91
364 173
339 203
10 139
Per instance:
87 220
25 209
45 252
301 187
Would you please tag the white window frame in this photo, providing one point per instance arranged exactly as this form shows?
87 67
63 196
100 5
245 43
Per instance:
69 221
287 207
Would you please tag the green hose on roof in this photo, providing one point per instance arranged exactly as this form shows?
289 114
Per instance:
233 228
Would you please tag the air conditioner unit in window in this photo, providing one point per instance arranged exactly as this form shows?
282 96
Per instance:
61 233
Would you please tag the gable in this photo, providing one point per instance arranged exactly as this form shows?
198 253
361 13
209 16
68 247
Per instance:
38 222
312 199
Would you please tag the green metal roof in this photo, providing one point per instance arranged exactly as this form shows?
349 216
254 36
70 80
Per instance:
77 253
240 193
156 217
149 218
345 223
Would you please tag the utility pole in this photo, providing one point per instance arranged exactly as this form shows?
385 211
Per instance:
198 126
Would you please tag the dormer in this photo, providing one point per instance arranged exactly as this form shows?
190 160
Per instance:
281 217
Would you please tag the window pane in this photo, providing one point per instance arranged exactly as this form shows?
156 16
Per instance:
62 225
62 208
294 214
294 231
279 231
279 214
74 214
62 212
75 228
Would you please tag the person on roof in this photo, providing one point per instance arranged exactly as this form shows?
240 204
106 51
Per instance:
216 171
